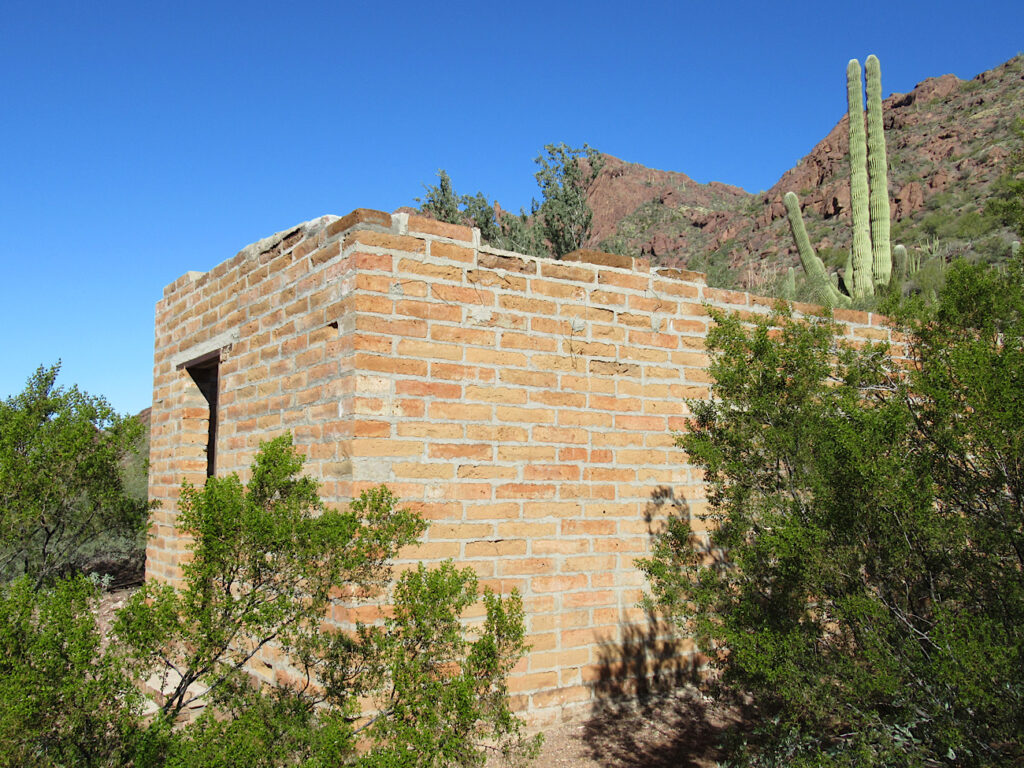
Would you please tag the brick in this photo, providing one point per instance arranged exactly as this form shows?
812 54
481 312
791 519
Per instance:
589 528
496 357
559 399
551 472
563 271
431 270
371 429
460 411
439 228
429 310
727 297
526 566
456 294
460 335
506 414
621 280
430 430
508 263
453 252
559 583
495 395
532 682
593 314
460 372
391 365
527 531
558 290
528 341
374 447
589 599
526 453
498 548
600 258
493 279
613 368
497 434
666 340
585 419
566 362
588 348
357 217
460 451
529 379
385 240
527 305
429 389
627 421
380 262
486 472
525 491
429 350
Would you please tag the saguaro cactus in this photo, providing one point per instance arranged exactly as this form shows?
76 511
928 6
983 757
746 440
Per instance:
870 260
878 177
863 284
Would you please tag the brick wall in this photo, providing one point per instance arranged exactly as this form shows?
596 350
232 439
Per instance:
525 406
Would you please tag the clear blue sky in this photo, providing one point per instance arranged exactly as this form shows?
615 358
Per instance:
144 139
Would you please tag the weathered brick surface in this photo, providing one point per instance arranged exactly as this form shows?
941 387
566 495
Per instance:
524 406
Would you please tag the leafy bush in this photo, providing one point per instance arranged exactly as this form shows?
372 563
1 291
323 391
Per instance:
269 562
560 223
64 700
62 488
863 578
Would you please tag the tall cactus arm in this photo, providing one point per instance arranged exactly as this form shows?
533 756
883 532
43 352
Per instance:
863 281
814 269
878 178
900 264
789 286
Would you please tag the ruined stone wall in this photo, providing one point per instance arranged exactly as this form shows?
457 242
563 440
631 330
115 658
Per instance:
525 406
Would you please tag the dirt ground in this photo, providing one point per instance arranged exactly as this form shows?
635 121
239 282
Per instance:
669 731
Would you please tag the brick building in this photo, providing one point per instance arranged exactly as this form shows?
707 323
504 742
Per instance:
524 405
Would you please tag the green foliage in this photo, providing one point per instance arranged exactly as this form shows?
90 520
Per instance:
560 223
265 561
62 488
862 580
270 560
565 176
64 700
1007 204
441 202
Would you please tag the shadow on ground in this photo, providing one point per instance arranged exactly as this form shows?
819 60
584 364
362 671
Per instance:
650 711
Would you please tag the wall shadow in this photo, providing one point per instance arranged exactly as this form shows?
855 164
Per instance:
650 708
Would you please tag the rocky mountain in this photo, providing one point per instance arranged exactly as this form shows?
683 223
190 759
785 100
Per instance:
948 141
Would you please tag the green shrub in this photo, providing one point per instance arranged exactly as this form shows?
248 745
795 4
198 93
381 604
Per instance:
269 561
63 495
64 701
863 582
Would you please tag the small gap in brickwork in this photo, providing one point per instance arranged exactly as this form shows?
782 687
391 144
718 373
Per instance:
333 324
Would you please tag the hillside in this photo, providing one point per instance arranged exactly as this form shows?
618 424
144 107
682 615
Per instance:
948 141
